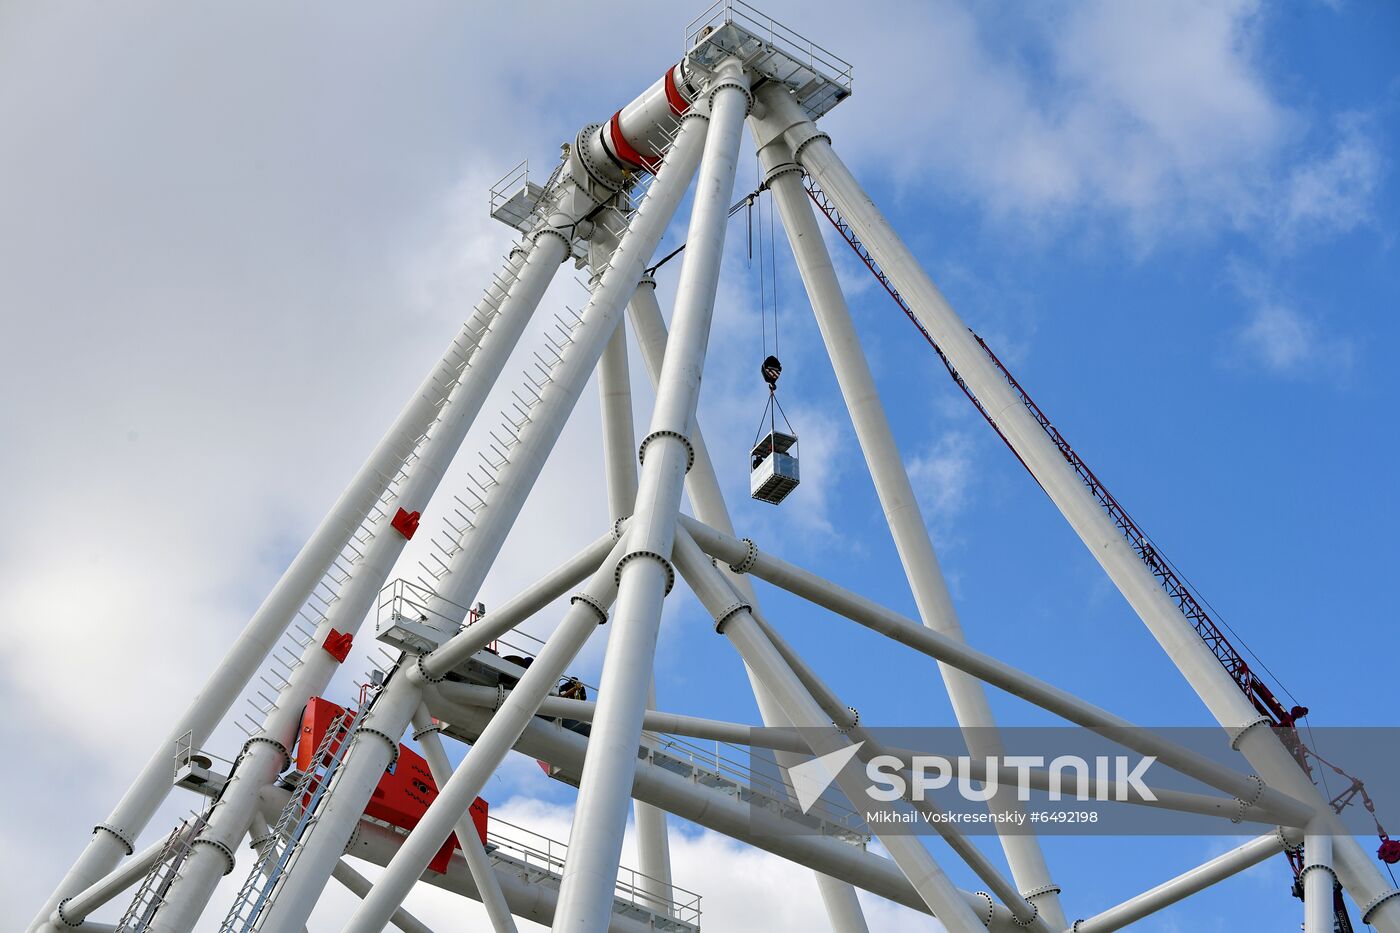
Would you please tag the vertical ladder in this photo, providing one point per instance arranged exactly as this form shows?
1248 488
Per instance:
150 894
281 850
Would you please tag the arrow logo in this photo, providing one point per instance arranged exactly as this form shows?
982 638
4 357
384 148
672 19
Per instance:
811 778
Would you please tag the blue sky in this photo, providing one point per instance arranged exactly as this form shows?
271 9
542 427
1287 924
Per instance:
229 242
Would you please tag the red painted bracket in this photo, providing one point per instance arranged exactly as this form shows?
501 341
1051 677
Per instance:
406 523
337 645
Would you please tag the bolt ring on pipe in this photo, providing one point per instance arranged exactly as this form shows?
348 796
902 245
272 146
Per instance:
58 912
727 613
591 603
751 558
1246 804
222 849
1239 736
855 721
388 740
423 672
670 571
991 906
120 836
689 450
1376 902
281 749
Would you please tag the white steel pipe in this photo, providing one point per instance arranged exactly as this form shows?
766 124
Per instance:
460 647
619 460
268 753
735 622
455 796
115 836
1192 657
702 486
990 670
897 499
1185 885
483 876
645 575
358 885
1319 881
727 814
73 911
366 760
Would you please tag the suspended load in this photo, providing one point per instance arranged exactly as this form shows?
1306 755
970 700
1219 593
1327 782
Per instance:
773 462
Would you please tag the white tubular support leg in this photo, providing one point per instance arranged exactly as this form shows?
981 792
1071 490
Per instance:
358 885
115 836
1319 881
1357 871
267 754
485 756
645 574
896 493
1186 884
842 906
478 863
737 624
619 458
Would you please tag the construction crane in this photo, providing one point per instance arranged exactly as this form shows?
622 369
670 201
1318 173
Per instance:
1283 718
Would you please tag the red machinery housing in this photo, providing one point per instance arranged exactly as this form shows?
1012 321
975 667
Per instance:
404 791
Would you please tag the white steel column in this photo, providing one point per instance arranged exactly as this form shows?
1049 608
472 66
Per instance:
268 754
587 612
116 835
645 574
1357 871
702 486
619 460
901 507
478 863
1319 881
371 749
734 621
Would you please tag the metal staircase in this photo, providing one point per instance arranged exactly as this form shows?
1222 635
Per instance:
281 850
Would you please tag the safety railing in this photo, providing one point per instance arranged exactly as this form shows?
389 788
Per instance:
773 34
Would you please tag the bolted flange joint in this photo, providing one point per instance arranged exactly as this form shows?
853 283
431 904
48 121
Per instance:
1254 798
1239 736
751 558
425 674
1374 903
855 721
389 740
598 608
225 851
554 231
991 907
120 836
264 740
787 168
670 571
689 450
727 613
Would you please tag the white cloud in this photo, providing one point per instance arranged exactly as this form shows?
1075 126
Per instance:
943 477
1285 341
1334 192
